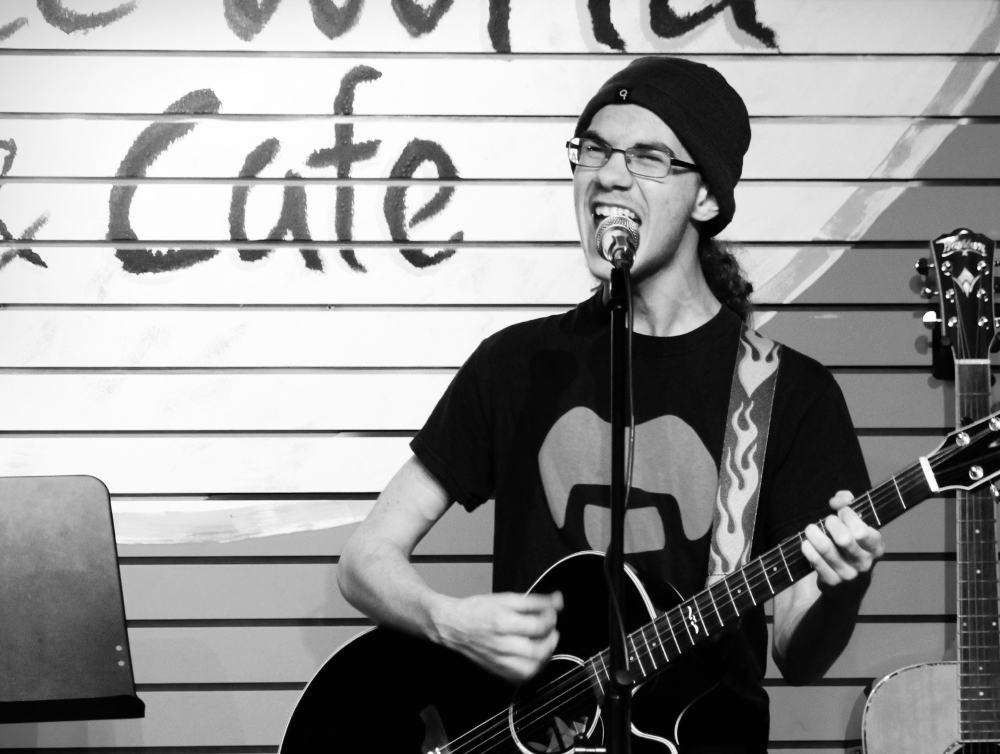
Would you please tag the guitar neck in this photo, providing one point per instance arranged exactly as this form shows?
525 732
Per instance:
655 645
978 635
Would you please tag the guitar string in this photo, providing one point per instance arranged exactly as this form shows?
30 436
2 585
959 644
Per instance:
556 690
591 702
970 516
758 582
974 649
647 653
970 512
963 407
772 559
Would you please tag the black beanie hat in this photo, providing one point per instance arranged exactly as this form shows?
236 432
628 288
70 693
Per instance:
700 107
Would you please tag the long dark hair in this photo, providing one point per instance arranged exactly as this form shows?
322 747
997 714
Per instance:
725 277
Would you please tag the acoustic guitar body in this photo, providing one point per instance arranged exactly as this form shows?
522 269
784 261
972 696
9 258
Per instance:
915 711
386 691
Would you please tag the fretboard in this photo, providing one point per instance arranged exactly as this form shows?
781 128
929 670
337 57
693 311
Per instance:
655 645
976 552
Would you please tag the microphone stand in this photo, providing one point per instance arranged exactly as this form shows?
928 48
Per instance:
619 695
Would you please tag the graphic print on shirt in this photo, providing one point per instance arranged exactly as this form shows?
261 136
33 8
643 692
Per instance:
673 481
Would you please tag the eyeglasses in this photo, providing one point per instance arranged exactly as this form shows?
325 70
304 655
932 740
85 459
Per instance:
646 162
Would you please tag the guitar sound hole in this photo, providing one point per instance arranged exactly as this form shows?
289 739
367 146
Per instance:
555 709
978 748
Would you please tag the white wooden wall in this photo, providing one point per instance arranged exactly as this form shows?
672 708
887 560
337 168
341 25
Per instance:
238 329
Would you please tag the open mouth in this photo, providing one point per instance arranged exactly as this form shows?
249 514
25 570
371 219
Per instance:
604 211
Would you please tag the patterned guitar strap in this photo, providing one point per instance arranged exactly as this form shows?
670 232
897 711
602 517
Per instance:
742 468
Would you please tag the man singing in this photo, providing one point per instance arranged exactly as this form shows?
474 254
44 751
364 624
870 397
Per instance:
526 422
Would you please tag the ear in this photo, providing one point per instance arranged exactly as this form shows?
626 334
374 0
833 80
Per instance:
705 205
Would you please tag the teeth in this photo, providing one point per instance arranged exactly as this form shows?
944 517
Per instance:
605 210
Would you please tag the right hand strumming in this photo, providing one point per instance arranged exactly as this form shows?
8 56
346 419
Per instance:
510 635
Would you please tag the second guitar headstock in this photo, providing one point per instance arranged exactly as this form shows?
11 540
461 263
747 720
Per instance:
965 326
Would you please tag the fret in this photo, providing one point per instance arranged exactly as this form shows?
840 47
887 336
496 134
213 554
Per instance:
700 617
718 615
787 569
872 504
659 640
763 569
604 665
670 625
635 656
749 590
649 652
900 494
725 581
684 621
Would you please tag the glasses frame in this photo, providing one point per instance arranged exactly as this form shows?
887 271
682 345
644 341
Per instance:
610 150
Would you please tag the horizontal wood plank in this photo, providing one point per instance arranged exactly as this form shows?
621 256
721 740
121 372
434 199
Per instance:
199 215
250 464
292 591
500 275
806 713
382 338
266 591
258 718
343 401
797 148
154 528
913 26
505 275
157 528
543 86
245 465
173 719
293 654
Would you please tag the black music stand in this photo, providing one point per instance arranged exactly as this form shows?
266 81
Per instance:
64 652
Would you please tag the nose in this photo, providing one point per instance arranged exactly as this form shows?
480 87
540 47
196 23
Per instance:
615 173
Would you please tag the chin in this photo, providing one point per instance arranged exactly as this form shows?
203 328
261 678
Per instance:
599 267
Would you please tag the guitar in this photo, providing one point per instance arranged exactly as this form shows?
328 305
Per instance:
940 707
391 692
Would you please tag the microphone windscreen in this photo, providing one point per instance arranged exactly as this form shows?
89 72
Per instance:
617 239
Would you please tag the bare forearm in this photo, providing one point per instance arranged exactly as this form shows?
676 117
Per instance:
809 636
511 635
378 579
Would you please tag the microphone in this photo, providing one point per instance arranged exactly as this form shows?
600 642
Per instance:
617 240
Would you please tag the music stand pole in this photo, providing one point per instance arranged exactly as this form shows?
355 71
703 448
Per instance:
619 695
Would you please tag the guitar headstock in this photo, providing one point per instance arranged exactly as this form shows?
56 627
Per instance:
963 267
969 457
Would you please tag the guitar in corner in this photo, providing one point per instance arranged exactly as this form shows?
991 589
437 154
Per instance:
390 692
950 707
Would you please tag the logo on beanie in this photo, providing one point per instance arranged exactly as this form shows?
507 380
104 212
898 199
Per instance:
623 94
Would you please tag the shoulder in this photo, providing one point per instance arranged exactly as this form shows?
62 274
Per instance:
802 374
524 338
808 395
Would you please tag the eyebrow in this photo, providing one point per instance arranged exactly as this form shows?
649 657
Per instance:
588 134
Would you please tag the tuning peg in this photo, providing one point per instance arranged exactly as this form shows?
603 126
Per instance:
931 319
927 292
995 345
922 266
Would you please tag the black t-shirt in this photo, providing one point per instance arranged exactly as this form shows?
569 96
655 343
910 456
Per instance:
526 421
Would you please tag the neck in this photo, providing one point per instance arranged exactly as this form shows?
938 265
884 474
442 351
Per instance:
675 299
